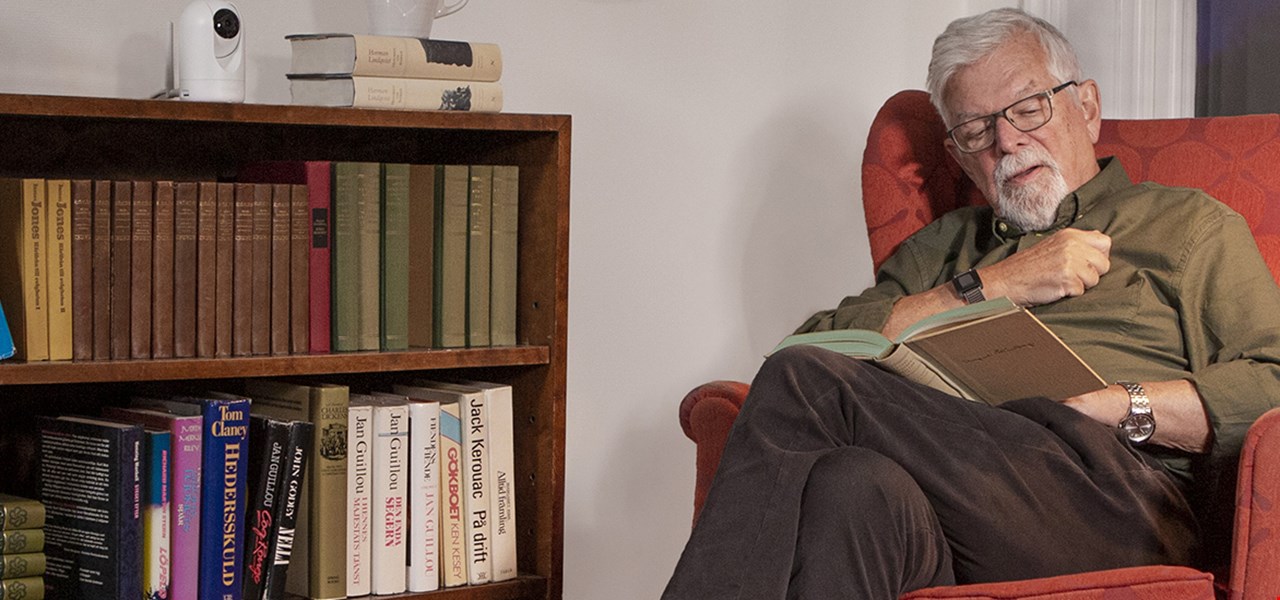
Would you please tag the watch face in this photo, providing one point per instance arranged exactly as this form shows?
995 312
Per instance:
967 281
1139 427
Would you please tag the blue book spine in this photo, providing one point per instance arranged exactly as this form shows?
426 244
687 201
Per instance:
224 472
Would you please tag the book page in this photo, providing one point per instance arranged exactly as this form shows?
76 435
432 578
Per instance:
908 365
857 343
957 316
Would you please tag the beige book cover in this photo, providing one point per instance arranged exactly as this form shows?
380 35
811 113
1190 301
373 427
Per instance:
451 259
390 56
22 270
504 255
58 266
369 226
479 245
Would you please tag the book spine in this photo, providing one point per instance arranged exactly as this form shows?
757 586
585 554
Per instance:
58 267
475 439
451 258
390 488
394 296
504 256
359 499
422 193
453 543
480 230
297 454
162 282
35 273
187 236
23 588
328 411
82 269
268 443
155 518
424 490
242 272
278 284
426 94
121 262
188 453
101 247
28 564
319 184
21 541
427 59
368 210
226 427
345 278
21 513
299 270
260 307
141 273
224 271
502 501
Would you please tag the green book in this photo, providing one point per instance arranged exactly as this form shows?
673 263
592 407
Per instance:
369 210
991 351
22 588
345 258
17 512
504 255
29 564
479 246
394 297
18 541
424 180
452 205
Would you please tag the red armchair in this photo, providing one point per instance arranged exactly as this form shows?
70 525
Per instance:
908 179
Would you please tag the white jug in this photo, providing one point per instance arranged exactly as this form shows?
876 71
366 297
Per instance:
410 18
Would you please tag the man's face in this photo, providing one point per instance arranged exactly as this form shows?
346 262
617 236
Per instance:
1025 175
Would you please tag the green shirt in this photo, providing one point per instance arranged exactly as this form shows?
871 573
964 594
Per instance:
1188 295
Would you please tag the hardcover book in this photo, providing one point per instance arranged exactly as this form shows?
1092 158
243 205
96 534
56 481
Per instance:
345 254
162 271
224 270
450 306
480 232
424 181
281 232
19 541
260 330
22 258
187 237
58 268
102 216
23 588
389 535
991 351
397 93
369 227
186 454
359 495
121 263
91 486
17 512
243 271
390 56
141 271
299 270
29 564
394 226
82 269
504 255
268 448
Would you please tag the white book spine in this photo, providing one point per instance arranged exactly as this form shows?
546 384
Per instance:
424 490
390 488
476 448
502 483
359 496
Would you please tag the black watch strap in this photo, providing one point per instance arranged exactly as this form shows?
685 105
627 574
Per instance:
969 286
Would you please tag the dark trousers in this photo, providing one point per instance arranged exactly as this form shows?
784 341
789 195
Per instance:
840 480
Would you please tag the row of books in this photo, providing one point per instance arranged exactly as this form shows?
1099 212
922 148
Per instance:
300 488
22 557
407 73
297 257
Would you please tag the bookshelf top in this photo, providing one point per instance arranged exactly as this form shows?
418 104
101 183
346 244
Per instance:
171 110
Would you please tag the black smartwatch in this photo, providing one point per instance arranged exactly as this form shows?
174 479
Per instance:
969 286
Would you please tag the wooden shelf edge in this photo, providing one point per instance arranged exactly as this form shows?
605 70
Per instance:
525 587
267 366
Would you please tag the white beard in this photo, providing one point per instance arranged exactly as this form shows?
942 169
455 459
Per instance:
1032 206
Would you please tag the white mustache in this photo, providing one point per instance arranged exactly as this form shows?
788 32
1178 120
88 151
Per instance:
1013 164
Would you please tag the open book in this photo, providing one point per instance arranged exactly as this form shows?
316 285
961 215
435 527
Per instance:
991 351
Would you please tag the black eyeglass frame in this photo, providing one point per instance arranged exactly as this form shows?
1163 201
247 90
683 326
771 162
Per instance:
1004 112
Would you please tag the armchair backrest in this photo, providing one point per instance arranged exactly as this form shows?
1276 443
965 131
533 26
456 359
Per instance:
909 179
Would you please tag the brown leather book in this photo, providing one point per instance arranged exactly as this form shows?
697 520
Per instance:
82 269
299 269
121 263
162 267
422 198
281 225
260 313
206 267
242 272
185 264
224 273
140 277
101 246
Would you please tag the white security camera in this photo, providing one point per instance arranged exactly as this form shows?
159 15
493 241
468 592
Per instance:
210 40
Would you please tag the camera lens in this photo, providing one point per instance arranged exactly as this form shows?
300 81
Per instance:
226 23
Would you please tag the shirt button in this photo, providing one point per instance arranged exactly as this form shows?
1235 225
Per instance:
1004 227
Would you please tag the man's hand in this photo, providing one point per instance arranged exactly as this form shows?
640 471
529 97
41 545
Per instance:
1181 420
1065 264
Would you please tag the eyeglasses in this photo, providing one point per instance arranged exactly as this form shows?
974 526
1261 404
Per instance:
1027 114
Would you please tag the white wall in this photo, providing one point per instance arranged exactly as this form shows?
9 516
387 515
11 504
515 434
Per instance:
715 198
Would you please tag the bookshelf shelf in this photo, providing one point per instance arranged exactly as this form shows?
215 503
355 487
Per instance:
102 138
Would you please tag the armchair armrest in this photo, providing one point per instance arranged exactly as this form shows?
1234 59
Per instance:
706 415
1255 556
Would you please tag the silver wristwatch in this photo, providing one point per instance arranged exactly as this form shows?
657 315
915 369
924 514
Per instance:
1140 423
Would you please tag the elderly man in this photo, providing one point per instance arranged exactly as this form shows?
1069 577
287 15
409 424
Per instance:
840 480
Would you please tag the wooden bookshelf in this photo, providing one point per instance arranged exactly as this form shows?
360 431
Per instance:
99 138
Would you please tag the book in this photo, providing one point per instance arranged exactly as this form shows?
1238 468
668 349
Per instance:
394 277
318 567
450 302
60 294
268 448
424 494
397 93
155 514
208 251
243 271
224 470
22 268
392 56
319 186
260 304
17 512
423 182
452 531
292 483
369 230
187 237
299 270
991 351
19 541
121 265
141 270
162 273
29 564
6 340
91 486
101 245
186 454
280 267
225 271
23 588
504 255
479 244
359 495
345 257
82 269
388 533
502 498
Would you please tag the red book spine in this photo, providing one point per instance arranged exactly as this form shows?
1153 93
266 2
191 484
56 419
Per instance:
319 184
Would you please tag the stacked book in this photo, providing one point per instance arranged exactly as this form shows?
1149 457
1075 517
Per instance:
22 557
368 71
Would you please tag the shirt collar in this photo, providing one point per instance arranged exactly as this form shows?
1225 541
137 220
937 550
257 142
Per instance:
1110 178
